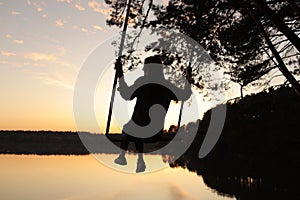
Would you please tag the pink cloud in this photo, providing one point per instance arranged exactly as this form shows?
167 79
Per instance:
18 41
59 23
7 53
79 7
15 13
98 28
35 56
67 1
98 7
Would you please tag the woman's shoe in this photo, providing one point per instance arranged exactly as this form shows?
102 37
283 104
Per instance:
141 166
121 160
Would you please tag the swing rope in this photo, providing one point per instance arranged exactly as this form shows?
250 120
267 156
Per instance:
118 67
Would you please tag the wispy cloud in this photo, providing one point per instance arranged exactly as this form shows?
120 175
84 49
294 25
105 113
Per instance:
35 56
94 4
51 58
8 36
60 23
98 28
67 1
84 30
91 30
18 41
7 53
3 61
55 79
50 68
15 13
39 5
99 7
79 7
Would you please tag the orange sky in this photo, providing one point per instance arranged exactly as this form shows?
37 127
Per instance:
42 46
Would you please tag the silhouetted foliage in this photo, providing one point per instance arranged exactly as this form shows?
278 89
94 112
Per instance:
258 154
228 32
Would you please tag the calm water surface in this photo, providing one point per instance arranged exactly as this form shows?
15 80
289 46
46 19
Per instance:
84 178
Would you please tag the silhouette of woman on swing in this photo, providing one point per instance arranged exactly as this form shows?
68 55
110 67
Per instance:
153 95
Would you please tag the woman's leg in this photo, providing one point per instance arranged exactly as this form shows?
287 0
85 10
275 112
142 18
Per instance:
121 160
139 147
124 147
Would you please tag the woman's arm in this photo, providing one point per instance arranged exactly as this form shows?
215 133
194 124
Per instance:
124 89
128 92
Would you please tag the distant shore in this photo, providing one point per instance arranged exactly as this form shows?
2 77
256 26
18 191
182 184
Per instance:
64 143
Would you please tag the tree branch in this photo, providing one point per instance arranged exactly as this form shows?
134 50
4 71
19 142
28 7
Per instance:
143 24
221 24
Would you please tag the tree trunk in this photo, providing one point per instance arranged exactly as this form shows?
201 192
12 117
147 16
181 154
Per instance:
282 67
282 27
241 90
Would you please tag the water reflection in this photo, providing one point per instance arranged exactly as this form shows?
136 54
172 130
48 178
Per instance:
84 178
244 180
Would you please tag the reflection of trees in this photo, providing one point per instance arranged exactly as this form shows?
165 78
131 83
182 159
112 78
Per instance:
248 187
257 156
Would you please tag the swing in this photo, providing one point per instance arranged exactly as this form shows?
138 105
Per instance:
119 74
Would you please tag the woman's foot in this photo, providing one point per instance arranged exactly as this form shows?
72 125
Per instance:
121 160
141 166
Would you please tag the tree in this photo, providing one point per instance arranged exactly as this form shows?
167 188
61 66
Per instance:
137 12
281 64
228 32
261 5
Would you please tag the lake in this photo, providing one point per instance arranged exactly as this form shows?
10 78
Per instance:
85 178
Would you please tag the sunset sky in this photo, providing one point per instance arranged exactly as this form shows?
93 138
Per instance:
42 47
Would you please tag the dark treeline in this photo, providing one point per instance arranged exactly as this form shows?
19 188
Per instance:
258 153
41 142
263 127
66 143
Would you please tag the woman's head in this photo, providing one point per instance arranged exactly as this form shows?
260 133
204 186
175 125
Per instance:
153 66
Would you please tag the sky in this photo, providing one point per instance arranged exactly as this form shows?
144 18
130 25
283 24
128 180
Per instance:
43 45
